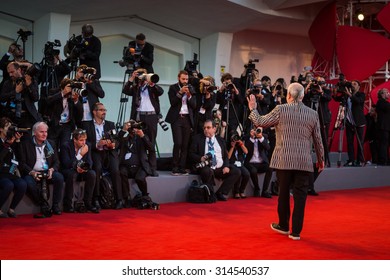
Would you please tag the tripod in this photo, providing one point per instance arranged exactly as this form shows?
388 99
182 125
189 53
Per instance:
340 124
315 105
123 100
229 104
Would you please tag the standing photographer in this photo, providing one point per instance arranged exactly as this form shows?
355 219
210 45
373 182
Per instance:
9 161
142 53
181 117
20 93
65 113
145 106
76 163
355 123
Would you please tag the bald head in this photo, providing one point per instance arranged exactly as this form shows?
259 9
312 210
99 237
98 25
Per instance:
295 92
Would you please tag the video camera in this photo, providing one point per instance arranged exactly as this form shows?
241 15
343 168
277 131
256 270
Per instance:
77 87
251 65
49 52
191 65
206 162
12 130
341 89
74 46
24 34
130 57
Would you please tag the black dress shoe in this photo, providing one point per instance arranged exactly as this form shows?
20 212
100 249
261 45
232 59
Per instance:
119 205
266 195
312 192
56 209
68 209
97 205
256 193
128 203
91 208
221 197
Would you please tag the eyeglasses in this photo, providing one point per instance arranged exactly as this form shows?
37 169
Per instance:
102 110
82 131
207 127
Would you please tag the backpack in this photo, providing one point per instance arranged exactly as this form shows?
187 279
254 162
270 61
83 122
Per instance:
144 202
200 193
107 197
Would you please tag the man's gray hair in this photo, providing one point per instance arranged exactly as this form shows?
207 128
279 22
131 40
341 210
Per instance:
38 124
296 91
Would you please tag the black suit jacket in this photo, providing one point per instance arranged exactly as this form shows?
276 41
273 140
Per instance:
147 56
135 91
30 95
28 156
175 98
357 100
383 111
142 145
263 148
198 148
90 53
89 126
68 156
54 101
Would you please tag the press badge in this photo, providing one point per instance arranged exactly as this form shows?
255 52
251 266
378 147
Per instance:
14 162
128 156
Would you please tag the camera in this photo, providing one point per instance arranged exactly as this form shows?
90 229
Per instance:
206 162
255 89
235 137
110 135
258 130
137 125
153 78
251 64
191 65
130 58
12 130
82 164
89 73
162 123
341 89
33 71
77 87
44 191
24 34
210 89
74 46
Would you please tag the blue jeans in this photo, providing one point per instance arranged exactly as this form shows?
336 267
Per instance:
34 192
7 185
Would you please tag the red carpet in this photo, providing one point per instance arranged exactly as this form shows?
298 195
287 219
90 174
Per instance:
348 224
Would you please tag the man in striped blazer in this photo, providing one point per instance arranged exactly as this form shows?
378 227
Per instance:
297 128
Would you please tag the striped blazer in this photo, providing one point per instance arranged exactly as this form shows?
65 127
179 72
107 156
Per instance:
297 128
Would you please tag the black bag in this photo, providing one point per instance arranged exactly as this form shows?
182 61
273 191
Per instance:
144 202
107 197
198 193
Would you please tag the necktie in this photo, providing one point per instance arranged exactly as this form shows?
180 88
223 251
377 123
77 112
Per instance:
212 152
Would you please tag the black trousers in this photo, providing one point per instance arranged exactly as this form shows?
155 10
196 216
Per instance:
181 133
70 176
138 174
299 182
208 174
105 160
257 168
351 130
151 122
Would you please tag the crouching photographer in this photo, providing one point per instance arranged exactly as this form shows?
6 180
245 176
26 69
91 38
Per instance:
76 163
39 165
133 146
10 182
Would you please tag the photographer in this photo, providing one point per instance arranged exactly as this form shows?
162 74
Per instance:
20 93
142 53
256 160
218 165
205 100
39 165
355 123
53 72
181 117
220 124
102 138
133 147
145 106
65 113
262 90
92 90
236 155
9 161
279 92
76 163
230 102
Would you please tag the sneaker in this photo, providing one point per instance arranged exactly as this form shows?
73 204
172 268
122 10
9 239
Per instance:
183 171
276 227
176 171
294 236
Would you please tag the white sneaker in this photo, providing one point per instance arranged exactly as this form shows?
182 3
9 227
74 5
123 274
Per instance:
294 236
